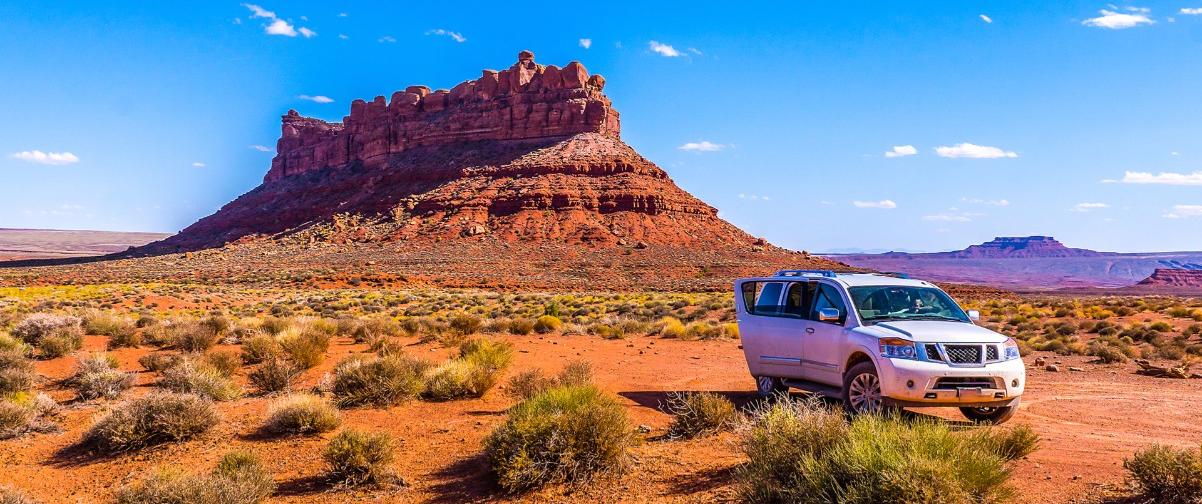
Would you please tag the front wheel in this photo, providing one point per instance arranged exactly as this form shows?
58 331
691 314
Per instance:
862 390
768 386
990 414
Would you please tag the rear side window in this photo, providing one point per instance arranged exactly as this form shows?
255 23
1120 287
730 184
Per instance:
827 296
763 298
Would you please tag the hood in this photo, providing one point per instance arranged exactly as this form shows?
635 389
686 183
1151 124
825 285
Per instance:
932 331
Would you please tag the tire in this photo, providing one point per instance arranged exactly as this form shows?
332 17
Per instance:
995 416
862 390
768 386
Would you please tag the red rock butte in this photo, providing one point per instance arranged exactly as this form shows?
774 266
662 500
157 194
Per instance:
527 154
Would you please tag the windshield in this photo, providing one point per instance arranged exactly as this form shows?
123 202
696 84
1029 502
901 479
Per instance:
893 302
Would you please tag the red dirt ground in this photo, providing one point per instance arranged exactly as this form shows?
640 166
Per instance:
1088 420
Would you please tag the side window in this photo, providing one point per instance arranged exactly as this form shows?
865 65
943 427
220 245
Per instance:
797 298
827 296
763 298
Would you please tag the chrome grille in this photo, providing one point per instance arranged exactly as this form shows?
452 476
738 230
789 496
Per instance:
933 352
952 383
991 353
963 354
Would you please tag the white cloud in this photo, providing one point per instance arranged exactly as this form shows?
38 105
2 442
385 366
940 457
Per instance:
47 158
1162 178
259 12
986 19
901 151
1113 20
586 43
1184 211
280 27
1191 11
387 39
307 33
343 14
317 98
947 217
198 164
663 49
696 51
702 146
1088 207
447 33
754 197
973 151
979 201
262 148
885 204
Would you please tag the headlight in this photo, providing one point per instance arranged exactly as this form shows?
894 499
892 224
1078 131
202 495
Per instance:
897 348
1011 349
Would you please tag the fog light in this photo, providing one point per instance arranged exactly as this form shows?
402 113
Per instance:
909 383
1014 383
931 395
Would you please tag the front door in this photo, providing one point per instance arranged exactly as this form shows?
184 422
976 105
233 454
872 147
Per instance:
823 341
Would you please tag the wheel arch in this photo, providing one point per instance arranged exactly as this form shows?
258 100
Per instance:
857 356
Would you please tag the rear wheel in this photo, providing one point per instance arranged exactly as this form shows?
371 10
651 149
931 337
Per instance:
862 390
768 386
990 414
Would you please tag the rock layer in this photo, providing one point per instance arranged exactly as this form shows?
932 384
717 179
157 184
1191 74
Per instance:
1174 278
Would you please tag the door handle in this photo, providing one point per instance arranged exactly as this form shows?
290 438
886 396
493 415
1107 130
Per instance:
809 330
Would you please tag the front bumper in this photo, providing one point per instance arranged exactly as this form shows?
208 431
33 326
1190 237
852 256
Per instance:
921 383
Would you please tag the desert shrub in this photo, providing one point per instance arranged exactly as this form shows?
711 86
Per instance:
274 375
259 348
699 413
9 495
274 325
34 328
159 361
521 327
14 418
1167 474
495 326
121 332
547 324
356 457
145 320
16 372
193 336
23 412
476 370
532 382
671 327
239 478
372 329
302 414
200 378
97 377
152 419
60 344
386 346
800 451
1010 444
385 381
1160 327
225 362
464 324
9 343
565 434
307 348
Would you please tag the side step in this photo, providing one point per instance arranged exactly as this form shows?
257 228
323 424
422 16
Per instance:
821 389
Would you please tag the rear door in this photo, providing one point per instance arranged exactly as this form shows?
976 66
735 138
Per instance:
823 342
772 322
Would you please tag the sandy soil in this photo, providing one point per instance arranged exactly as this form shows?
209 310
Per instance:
1089 421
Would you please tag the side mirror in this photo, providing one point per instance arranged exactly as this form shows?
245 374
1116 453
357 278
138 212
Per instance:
974 315
828 315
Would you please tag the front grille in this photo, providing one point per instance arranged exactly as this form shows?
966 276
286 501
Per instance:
963 354
991 353
933 352
952 383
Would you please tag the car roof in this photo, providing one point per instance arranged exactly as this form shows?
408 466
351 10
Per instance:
847 279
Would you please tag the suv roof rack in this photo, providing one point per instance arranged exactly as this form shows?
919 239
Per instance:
802 273
895 274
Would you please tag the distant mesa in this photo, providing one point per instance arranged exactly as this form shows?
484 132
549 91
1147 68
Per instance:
1021 247
1173 278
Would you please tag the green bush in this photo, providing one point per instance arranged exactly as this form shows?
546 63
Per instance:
1011 444
200 378
306 349
381 382
239 478
533 382
356 457
521 327
274 375
699 413
464 324
154 418
547 324
803 452
1164 474
565 434
53 335
302 414
475 371
97 377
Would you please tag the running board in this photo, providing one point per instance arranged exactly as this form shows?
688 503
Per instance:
814 388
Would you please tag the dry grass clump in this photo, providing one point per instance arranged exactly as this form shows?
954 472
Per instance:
23 412
306 346
1010 444
566 434
238 479
371 329
356 457
9 495
521 327
200 378
475 371
532 382
53 335
464 324
380 382
192 336
274 375
1167 474
121 332
671 327
16 372
156 362
800 451
97 377
225 362
699 413
259 347
152 419
302 414
547 324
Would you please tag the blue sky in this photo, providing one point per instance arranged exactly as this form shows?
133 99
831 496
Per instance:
1076 119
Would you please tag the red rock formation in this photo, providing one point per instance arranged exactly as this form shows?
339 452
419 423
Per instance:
1024 247
1174 279
526 101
